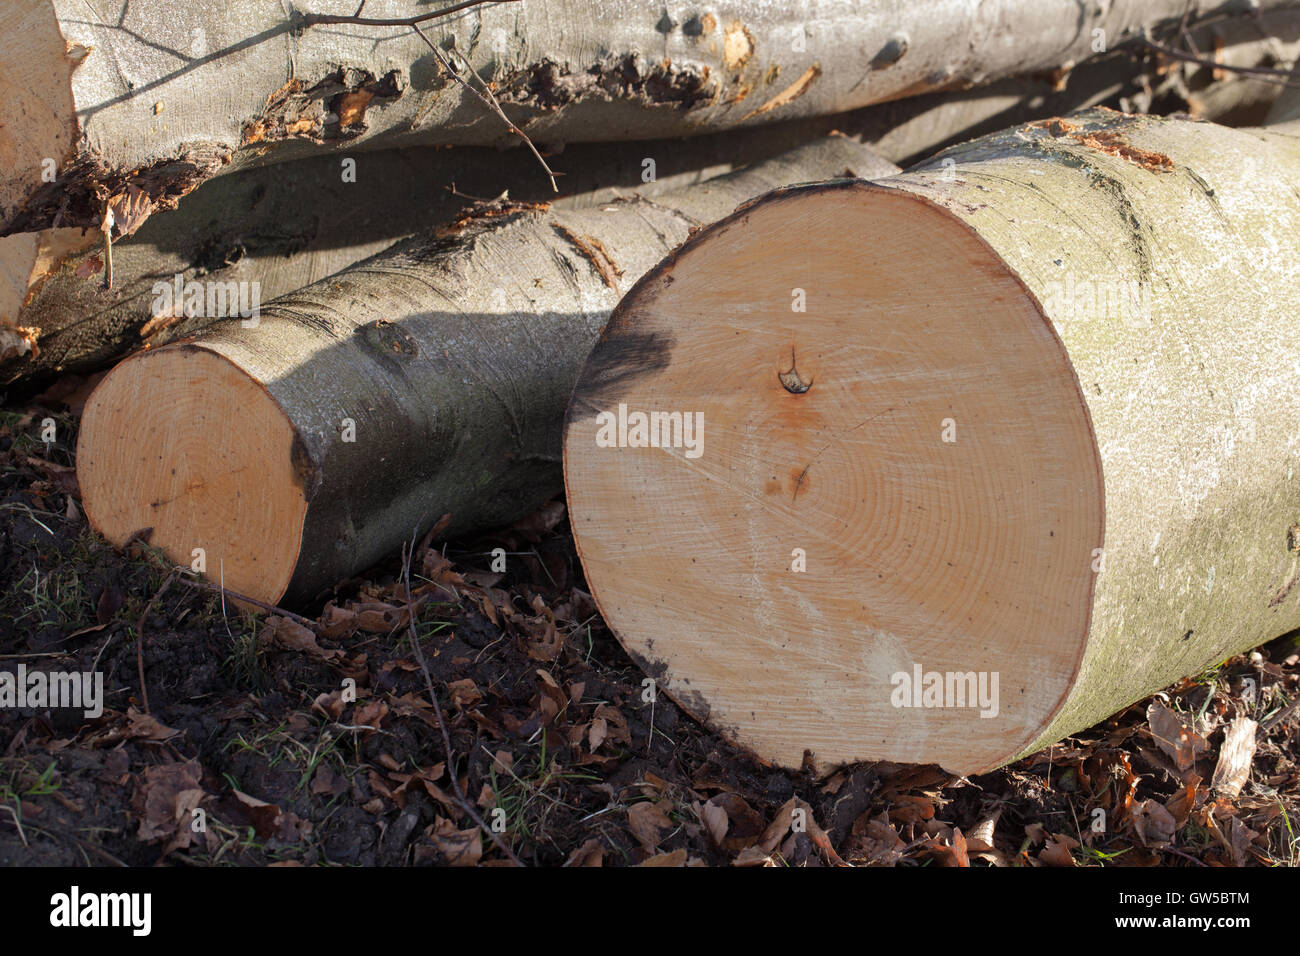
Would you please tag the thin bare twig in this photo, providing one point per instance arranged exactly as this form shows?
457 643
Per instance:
139 636
303 21
271 608
408 555
17 822
1280 716
487 99
106 226
1264 74
1186 856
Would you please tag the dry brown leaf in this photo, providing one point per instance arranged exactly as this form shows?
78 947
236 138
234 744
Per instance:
875 841
675 858
949 848
1153 824
715 821
262 816
745 825
908 808
1183 802
648 823
165 803
981 835
591 853
1174 734
130 209
329 705
820 839
146 727
616 723
458 847
597 731
370 714
753 856
1057 850
1235 756
464 694
1240 837
293 636
778 828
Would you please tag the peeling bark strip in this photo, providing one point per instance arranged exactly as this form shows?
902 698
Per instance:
1050 443
164 95
429 379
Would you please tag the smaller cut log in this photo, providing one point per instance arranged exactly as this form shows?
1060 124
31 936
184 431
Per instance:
287 225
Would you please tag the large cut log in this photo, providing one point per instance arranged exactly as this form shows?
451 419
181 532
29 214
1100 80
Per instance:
425 381
949 466
157 97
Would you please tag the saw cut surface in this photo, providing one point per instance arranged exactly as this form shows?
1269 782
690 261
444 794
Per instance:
183 442
899 481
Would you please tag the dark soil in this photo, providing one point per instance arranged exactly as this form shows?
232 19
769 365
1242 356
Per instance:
263 742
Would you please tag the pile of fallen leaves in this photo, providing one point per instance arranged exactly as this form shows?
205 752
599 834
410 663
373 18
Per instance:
313 738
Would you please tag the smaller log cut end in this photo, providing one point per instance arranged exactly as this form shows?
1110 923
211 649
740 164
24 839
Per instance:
181 441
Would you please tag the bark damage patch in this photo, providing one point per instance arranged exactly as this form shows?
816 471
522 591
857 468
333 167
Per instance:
1110 142
86 187
594 251
333 108
792 92
1060 145
548 85
482 212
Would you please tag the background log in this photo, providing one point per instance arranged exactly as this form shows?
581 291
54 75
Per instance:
428 380
284 226
126 100
1027 410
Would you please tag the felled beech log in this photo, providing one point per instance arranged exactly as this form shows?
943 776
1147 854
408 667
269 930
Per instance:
425 381
1019 424
157 96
